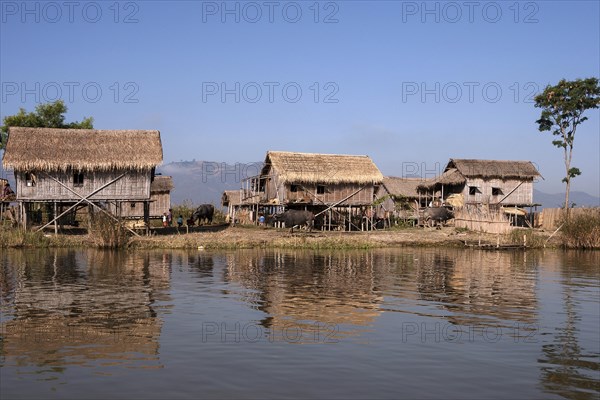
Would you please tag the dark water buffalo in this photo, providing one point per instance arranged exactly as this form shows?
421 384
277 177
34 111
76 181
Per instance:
292 218
203 212
435 215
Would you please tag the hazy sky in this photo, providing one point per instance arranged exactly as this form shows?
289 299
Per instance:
410 84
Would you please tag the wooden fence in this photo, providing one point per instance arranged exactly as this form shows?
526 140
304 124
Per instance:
482 220
550 218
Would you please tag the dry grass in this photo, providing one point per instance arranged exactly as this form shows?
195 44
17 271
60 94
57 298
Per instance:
582 230
239 237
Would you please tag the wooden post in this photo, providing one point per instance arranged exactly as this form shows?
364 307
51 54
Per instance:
55 220
349 218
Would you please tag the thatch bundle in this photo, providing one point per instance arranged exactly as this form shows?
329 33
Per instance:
231 198
406 187
491 169
50 149
161 184
321 168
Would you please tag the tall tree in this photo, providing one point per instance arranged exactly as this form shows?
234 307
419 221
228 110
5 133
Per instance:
50 115
562 107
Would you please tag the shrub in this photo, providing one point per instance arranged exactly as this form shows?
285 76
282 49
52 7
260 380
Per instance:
582 229
105 232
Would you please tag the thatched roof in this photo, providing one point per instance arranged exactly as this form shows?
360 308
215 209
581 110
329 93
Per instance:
490 169
49 149
321 168
406 187
231 197
458 170
161 183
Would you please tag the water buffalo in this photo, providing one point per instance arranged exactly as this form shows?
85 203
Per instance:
435 215
292 218
203 212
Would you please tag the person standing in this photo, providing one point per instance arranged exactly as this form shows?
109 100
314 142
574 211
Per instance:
164 219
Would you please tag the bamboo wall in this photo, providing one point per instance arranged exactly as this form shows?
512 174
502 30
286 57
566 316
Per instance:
307 193
522 195
135 185
550 218
482 221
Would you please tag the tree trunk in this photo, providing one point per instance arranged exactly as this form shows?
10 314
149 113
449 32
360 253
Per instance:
567 197
568 154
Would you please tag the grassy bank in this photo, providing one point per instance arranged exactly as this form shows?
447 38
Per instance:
228 238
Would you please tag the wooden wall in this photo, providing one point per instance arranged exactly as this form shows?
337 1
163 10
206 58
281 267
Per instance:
332 194
307 193
522 195
159 203
135 185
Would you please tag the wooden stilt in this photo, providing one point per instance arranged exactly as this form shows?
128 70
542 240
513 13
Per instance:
55 219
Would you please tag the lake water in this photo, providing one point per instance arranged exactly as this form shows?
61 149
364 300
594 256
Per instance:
255 324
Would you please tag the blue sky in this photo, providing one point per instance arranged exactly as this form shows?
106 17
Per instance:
411 84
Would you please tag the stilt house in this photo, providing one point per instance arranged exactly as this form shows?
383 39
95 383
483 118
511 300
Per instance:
322 183
493 182
82 167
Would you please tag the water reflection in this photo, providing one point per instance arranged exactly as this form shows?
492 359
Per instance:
144 310
347 291
571 368
72 307
308 296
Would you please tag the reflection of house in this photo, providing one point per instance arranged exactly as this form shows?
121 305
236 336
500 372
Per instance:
66 166
507 183
84 315
340 184
308 295
478 288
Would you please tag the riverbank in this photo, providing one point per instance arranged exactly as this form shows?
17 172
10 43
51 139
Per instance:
255 237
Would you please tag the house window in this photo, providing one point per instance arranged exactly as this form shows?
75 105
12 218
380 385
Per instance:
30 179
293 188
497 191
320 189
78 179
473 190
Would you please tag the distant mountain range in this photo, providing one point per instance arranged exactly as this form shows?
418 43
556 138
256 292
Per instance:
558 199
204 182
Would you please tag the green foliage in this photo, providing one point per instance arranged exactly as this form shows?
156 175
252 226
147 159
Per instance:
50 115
562 107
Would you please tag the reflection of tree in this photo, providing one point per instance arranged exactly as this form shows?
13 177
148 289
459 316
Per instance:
72 307
567 369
